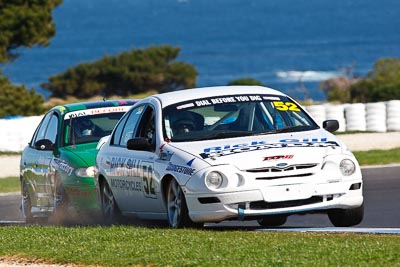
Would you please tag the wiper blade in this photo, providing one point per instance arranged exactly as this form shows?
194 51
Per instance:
221 135
293 129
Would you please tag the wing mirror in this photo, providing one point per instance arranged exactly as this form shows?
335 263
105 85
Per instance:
330 125
44 145
139 143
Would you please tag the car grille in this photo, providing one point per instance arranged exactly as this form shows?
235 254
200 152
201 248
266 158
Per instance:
274 171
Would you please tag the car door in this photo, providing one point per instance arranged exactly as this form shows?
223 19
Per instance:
36 160
132 176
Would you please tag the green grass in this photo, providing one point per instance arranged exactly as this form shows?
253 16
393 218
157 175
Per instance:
378 157
9 184
128 246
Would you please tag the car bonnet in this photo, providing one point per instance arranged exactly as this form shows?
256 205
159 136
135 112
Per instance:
266 150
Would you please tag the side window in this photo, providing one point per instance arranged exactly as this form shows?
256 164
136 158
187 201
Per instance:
41 130
51 132
147 127
118 130
130 126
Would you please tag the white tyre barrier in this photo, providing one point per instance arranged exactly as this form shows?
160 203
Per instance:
317 112
375 117
336 112
355 117
17 133
393 115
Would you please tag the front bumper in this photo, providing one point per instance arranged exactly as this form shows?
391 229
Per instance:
272 200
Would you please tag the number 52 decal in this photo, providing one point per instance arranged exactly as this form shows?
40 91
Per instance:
148 180
285 106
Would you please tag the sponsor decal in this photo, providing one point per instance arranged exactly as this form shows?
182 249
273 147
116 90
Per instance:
190 162
180 169
120 166
225 150
63 166
226 99
94 111
270 158
126 185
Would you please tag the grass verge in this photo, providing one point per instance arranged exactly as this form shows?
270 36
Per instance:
378 157
9 184
138 246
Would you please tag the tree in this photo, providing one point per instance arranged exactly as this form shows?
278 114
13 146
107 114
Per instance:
337 89
246 81
25 23
136 71
17 100
381 84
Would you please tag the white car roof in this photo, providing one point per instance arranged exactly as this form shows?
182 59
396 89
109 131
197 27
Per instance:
169 98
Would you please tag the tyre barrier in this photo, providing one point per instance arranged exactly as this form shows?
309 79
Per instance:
371 117
16 133
393 115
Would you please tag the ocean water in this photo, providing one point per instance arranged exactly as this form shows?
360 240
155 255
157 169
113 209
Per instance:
290 45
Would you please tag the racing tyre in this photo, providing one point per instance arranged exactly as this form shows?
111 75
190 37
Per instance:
272 220
60 202
26 203
109 208
177 211
345 218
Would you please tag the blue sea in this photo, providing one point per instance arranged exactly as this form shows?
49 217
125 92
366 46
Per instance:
290 45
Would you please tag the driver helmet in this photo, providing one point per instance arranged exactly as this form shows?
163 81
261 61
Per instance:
84 126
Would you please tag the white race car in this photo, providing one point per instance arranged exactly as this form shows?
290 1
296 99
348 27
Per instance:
226 153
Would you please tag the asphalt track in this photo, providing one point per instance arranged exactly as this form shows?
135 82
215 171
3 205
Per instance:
381 200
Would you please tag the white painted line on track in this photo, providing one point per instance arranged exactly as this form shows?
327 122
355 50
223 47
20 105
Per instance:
336 230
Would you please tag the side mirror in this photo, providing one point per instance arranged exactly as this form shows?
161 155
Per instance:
44 145
330 125
139 143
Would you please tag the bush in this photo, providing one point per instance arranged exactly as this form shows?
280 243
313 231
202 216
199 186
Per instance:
133 72
17 100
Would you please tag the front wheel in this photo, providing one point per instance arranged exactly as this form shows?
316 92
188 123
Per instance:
61 213
346 217
177 210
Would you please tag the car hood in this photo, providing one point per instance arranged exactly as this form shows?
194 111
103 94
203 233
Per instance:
83 154
262 151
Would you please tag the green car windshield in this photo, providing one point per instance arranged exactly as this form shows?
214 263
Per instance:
234 116
80 128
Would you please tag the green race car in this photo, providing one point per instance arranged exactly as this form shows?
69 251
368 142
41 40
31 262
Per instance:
57 166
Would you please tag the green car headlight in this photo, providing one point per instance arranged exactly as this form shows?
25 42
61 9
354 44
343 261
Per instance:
85 172
347 167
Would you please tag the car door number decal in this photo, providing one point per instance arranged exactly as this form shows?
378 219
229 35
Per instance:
148 181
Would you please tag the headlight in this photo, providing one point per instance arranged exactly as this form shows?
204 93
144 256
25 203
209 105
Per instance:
347 167
214 180
85 172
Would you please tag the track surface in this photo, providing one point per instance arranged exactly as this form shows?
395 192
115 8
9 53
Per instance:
381 196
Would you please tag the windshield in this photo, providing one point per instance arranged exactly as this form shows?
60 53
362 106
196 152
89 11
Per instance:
234 116
83 127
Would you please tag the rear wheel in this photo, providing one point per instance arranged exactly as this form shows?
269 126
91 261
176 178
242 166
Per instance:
26 203
178 214
346 217
109 207
272 220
